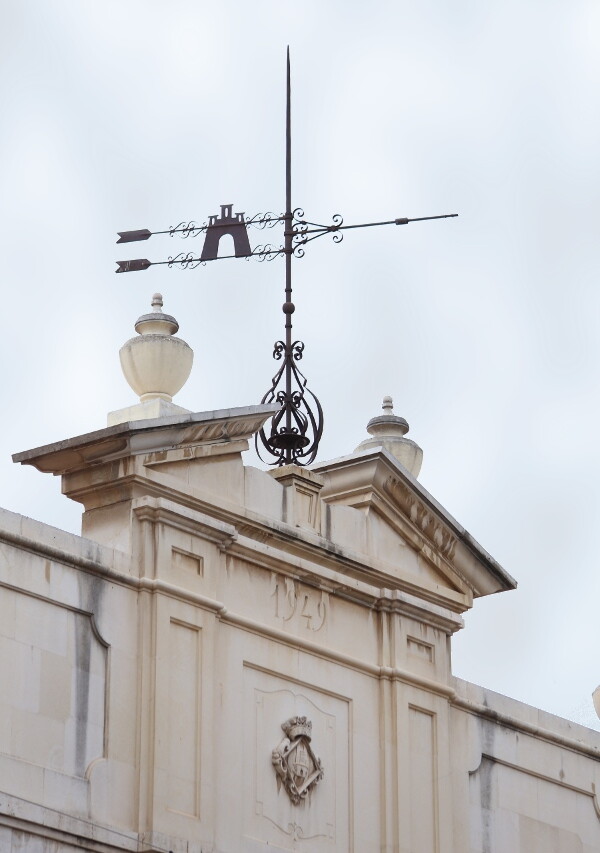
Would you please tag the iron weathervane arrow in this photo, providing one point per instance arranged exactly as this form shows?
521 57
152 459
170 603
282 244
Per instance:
132 266
297 427
302 233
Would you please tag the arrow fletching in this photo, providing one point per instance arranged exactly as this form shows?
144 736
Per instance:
133 236
132 266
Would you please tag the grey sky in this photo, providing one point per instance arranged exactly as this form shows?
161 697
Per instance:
130 114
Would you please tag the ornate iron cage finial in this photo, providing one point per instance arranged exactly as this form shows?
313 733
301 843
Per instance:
296 429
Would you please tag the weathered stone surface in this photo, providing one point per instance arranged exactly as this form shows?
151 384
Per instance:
146 669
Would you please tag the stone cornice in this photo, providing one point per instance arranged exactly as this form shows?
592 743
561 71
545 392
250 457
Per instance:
189 521
289 543
60 828
358 593
367 591
523 726
363 592
376 480
148 436
114 565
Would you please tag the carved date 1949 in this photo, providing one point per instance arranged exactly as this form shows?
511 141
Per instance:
290 600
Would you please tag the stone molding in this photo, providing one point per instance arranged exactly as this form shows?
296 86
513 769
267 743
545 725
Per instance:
114 566
157 586
376 480
437 533
158 510
519 725
302 505
146 436
43 822
286 540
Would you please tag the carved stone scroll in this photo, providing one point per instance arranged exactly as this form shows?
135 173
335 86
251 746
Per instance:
422 518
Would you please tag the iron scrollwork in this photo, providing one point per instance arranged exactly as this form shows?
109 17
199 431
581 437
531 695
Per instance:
264 220
304 231
296 429
185 261
187 229
267 252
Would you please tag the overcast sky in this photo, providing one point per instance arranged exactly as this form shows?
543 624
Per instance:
123 114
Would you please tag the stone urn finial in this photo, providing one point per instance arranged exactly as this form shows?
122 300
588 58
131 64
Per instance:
156 365
387 431
596 700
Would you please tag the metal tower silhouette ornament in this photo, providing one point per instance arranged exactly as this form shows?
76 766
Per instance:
228 223
296 429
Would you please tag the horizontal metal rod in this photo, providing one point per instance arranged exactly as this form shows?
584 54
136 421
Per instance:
143 263
145 234
221 257
402 221
423 218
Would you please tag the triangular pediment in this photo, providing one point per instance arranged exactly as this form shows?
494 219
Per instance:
406 523
392 543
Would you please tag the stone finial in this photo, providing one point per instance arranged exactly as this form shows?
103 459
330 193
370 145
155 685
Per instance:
156 323
155 364
596 700
388 431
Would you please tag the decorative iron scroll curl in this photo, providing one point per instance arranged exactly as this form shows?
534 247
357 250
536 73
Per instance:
305 231
187 229
264 220
185 261
297 427
266 252
191 228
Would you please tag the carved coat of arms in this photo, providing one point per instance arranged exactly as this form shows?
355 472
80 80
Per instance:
296 765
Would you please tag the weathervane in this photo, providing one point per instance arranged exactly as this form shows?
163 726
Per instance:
297 427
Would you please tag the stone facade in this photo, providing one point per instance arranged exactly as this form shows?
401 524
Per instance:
237 660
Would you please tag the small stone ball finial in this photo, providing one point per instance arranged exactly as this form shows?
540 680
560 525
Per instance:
157 301
387 405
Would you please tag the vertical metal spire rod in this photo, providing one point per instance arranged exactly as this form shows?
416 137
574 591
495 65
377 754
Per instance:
288 307
297 427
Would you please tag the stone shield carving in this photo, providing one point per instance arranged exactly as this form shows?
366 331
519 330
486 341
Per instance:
298 769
